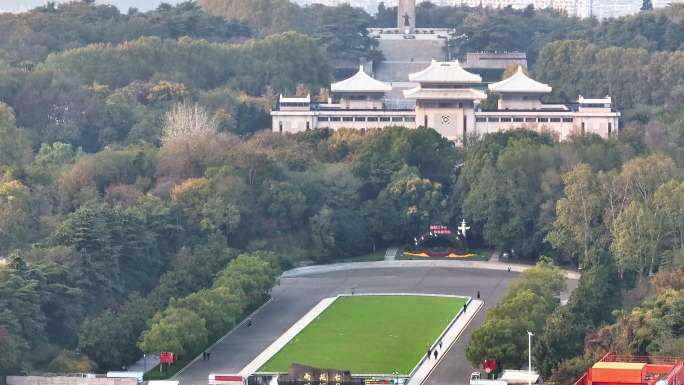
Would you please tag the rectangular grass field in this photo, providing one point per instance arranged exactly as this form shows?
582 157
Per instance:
369 334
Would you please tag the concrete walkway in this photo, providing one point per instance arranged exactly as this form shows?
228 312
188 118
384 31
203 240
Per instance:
450 337
145 364
499 266
284 338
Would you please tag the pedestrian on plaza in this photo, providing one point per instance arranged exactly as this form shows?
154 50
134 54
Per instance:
509 269
208 356
478 294
465 307
249 322
204 356
428 353
435 354
440 344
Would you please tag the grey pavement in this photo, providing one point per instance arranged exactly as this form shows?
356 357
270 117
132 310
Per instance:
295 296
300 290
145 363
455 369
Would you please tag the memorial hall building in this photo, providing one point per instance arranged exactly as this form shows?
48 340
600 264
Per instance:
447 98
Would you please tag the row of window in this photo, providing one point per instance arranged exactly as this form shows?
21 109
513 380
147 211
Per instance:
482 119
366 119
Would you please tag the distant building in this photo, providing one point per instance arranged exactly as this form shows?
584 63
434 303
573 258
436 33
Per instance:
624 370
601 9
447 98
495 60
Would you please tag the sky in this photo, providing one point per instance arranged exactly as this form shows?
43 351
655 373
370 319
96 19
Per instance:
123 5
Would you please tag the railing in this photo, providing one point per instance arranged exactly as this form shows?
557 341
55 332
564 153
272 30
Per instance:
676 376
645 359
583 380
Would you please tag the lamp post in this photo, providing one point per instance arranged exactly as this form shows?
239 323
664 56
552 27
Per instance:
144 364
529 357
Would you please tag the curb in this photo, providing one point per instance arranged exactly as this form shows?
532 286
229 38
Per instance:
178 373
499 266
448 350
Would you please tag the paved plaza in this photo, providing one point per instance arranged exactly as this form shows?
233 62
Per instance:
300 290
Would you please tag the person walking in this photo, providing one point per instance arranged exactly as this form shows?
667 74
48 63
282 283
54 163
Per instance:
478 294
435 354
440 344
428 353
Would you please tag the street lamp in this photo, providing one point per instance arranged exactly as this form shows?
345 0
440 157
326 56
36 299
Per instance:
144 364
529 357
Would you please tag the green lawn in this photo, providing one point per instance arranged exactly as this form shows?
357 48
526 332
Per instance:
369 334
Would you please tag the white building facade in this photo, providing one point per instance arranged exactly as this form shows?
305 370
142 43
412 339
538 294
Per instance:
448 99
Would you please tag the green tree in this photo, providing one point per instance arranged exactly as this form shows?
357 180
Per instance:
637 237
178 330
16 216
15 148
578 223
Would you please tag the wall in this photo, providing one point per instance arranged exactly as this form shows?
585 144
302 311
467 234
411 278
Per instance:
63 380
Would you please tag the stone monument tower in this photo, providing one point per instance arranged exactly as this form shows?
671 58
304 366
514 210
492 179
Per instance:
406 16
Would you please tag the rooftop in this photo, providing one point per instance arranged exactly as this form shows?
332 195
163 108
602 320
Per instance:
306 99
361 82
444 94
445 72
520 83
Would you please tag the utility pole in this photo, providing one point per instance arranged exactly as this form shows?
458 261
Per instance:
529 357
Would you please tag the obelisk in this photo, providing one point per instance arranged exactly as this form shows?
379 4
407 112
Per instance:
406 16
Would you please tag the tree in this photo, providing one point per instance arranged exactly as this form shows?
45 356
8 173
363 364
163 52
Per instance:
15 148
578 223
15 215
637 237
177 330
407 206
185 120
668 202
502 339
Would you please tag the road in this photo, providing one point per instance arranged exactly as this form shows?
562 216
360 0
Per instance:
294 296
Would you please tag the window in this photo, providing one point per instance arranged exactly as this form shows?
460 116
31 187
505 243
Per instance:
372 119
410 119
505 119
543 120
359 119
384 119
567 120
334 118
480 119
323 119
347 119
494 120
397 119
555 120
530 120
518 119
